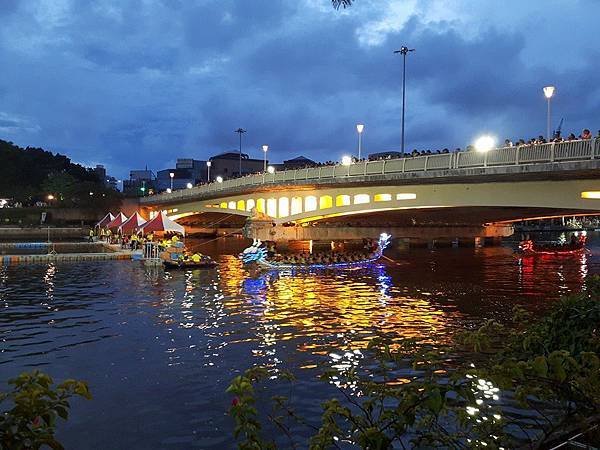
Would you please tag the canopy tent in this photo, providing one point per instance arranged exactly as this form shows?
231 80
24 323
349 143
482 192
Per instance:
132 224
105 220
117 221
161 223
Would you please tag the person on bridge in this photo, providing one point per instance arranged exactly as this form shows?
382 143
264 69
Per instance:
586 134
91 235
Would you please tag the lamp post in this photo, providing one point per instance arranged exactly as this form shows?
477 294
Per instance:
403 51
208 164
548 93
240 131
265 150
171 174
359 127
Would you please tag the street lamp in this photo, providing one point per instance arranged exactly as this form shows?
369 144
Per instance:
208 164
265 150
271 170
484 144
189 185
548 93
219 179
171 174
359 127
169 190
347 161
240 131
403 51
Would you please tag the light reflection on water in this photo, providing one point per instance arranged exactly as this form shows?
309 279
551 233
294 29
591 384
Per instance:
159 348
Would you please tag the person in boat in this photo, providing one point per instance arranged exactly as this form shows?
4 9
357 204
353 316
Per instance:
196 258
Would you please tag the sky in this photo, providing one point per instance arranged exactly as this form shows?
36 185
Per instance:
136 83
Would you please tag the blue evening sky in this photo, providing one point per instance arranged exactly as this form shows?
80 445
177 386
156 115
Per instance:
130 83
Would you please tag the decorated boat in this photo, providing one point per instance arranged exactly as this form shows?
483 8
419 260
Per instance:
257 253
205 263
575 247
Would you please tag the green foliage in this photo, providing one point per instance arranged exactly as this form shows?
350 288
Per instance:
30 174
32 407
428 396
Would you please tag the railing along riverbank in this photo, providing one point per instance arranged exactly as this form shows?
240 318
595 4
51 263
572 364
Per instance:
554 152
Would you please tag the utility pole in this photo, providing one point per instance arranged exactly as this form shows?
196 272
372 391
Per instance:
403 51
240 131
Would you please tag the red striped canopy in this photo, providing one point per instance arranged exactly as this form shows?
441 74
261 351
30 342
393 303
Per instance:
132 224
117 221
162 223
105 220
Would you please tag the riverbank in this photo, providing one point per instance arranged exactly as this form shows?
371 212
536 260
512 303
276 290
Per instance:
14 234
42 252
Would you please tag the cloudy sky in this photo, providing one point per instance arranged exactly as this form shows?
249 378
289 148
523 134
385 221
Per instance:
130 83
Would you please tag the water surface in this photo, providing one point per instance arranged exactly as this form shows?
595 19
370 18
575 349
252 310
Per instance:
159 348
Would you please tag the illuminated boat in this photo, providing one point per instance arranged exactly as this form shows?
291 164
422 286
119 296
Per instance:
205 263
530 248
257 253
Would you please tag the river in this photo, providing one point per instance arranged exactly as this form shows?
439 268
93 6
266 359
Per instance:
159 348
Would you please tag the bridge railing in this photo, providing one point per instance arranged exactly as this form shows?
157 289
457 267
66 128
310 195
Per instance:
556 152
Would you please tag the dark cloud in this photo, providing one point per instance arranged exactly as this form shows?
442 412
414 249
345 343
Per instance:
141 83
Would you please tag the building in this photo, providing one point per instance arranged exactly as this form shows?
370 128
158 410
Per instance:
186 171
140 183
109 182
298 162
227 165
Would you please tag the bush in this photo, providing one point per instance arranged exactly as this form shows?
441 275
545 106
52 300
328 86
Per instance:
34 407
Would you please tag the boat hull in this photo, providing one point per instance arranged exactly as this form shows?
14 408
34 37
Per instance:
190 265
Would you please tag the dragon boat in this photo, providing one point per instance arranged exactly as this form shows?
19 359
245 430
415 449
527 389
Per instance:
257 253
530 248
205 263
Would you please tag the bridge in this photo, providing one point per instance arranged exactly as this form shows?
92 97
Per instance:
467 189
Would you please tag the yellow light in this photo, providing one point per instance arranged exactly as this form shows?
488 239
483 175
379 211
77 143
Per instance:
342 200
325 201
50 197
591 195
382 197
485 143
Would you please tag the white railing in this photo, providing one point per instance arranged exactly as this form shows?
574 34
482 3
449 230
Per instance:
558 152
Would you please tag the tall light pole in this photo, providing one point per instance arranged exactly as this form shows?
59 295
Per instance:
265 150
240 131
548 93
171 174
403 51
208 164
359 127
